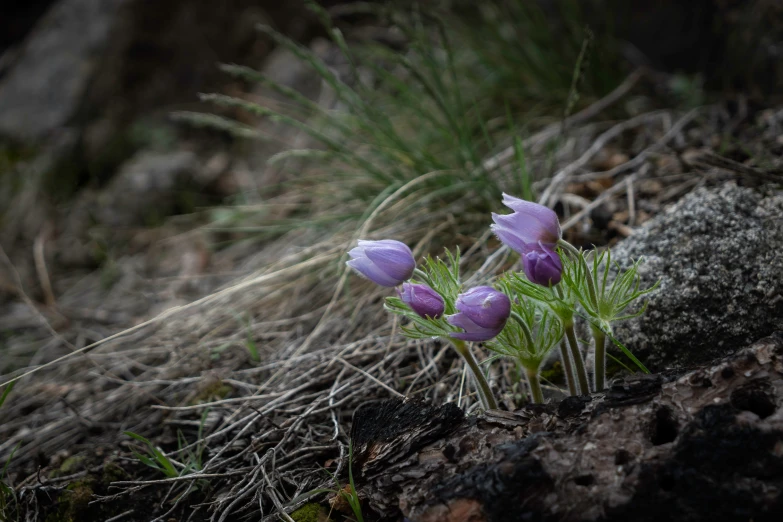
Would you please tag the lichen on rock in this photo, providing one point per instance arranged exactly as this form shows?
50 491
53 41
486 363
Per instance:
719 256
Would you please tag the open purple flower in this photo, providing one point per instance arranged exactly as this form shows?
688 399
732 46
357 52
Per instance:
483 312
533 231
386 262
423 300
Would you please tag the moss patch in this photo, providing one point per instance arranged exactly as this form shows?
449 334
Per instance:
112 473
213 391
311 512
73 502
69 466
554 374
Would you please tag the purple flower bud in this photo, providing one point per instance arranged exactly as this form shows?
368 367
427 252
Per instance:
483 312
423 300
533 230
542 267
529 225
386 262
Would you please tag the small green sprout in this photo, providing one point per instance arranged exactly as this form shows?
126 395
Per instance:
154 458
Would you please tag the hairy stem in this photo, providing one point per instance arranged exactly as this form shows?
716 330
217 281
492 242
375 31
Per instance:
535 386
567 367
485 394
579 364
600 358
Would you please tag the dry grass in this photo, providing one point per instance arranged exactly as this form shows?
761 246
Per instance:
323 341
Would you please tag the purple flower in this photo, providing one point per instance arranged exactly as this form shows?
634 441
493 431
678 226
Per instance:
542 267
483 312
423 300
386 262
533 230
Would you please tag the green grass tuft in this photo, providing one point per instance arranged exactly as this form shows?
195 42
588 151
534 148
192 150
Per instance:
415 125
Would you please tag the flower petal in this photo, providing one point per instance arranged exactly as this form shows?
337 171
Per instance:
369 270
543 267
423 300
510 238
523 228
395 260
485 306
473 332
545 217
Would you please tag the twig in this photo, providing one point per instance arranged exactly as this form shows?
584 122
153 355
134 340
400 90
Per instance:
547 197
39 255
637 160
371 377
553 129
121 515
178 309
619 187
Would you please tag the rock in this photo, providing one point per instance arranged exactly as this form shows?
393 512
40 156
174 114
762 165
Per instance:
145 188
702 446
47 82
719 256
149 187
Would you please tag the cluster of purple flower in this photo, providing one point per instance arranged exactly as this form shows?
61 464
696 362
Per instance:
544 304
483 311
532 230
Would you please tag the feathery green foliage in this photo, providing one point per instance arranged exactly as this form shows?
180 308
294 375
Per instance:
443 275
529 336
604 298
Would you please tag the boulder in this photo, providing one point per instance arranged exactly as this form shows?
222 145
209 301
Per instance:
44 87
719 256
701 446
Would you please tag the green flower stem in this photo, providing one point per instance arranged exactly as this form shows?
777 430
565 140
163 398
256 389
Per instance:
535 386
600 358
485 394
581 373
567 368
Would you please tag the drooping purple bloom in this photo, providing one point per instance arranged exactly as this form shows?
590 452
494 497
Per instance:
542 267
533 230
386 262
423 300
483 312
530 223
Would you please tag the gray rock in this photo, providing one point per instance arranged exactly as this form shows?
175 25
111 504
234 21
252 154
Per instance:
719 256
43 89
145 190
149 183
